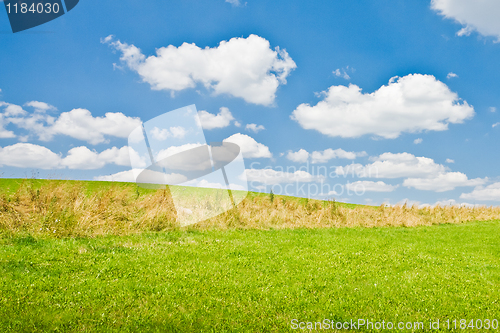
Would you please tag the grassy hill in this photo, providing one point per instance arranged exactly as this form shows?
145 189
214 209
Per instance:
60 208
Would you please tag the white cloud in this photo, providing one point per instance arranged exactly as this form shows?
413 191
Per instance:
162 134
234 2
451 75
328 154
493 109
369 186
12 110
481 16
443 182
413 103
123 176
249 147
27 155
449 160
255 128
80 124
149 176
210 121
40 106
421 173
495 125
172 150
237 124
389 165
272 177
449 202
342 73
84 158
418 141
77 123
242 67
300 156
488 193
5 134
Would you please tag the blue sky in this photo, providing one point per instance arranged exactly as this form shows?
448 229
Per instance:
74 88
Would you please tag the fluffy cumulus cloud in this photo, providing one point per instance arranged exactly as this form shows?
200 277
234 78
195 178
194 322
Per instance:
40 106
254 128
300 156
422 173
80 124
390 165
4 133
484 193
442 182
77 123
273 177
328 154
242 67
84 158
210 121
412 103
172 150
27 155
123 176
11 110
24 155
177 132
481 16
370 186
249 147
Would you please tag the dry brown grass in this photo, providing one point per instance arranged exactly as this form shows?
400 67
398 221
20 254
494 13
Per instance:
66 209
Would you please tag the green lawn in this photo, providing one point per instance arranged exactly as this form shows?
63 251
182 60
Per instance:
250 280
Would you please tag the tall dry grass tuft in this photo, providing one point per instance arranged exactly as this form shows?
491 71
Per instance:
71 209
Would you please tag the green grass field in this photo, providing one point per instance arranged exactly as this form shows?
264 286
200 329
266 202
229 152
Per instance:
251 280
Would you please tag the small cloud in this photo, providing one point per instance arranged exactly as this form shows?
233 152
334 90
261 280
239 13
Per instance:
493 109
466 31
449 160
300 156
234 2
237 123
107 39
254 128
210 121
451 75
495 125
342 73
162 134
249 147
417 141
40 107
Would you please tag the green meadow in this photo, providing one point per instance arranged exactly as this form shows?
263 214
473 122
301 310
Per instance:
241 279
